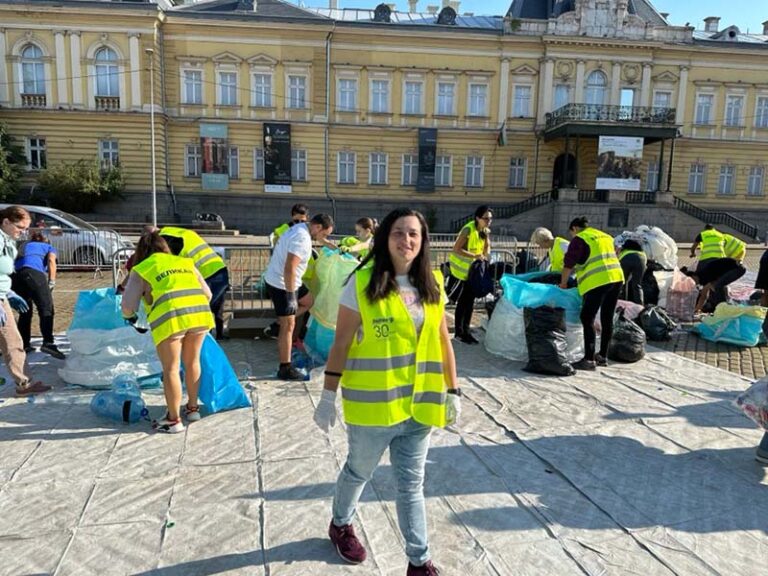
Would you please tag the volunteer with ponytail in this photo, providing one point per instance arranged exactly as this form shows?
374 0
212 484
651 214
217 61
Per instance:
359 244
393 358
177 300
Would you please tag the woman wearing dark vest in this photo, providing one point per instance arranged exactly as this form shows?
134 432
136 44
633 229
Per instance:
393 357
473 243
177 301
599 279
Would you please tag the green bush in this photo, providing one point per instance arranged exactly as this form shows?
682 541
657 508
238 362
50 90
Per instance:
11 161
78 186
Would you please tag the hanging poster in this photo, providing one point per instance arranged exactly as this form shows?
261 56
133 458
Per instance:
277 158
214 148
618 163
425 179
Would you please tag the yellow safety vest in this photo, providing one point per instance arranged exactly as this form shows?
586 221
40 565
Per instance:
557 254
352 241
204 257
602 266
178 300
734 248
392 375
628 252
460 264
712 243
280 230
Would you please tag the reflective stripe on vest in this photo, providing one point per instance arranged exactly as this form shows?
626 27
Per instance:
602 267
734 248
204 257
628 252
712 243
460 264
557 254
178 301
392 375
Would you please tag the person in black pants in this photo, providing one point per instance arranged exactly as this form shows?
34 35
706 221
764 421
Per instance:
714 277
633 263
34 280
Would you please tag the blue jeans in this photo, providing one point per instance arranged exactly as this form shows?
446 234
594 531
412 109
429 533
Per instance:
408 443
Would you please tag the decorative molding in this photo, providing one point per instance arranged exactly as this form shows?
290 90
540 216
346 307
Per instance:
226 58
262 60
666 77
524 70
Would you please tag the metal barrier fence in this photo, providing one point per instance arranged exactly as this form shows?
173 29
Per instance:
83 249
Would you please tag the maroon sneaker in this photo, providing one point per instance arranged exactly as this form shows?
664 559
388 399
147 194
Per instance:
427 569
347 544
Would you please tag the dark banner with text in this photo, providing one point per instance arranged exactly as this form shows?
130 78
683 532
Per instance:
425 181
277 158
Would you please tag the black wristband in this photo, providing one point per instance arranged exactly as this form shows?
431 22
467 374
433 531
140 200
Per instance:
332 373
456 391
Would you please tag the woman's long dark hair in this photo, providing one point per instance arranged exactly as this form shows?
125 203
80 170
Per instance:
383 280
479 213
150 244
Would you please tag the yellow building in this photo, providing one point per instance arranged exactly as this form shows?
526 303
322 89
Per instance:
516 104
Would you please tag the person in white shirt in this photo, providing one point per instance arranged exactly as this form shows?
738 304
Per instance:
283 277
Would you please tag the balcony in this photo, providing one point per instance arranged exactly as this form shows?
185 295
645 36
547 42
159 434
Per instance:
107 102
33 100
651 122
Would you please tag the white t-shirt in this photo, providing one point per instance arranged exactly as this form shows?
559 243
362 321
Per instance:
296 241
408 293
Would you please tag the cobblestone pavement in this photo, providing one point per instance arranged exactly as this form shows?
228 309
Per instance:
747 362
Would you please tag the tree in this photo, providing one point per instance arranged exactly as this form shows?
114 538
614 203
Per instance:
11 161
78 186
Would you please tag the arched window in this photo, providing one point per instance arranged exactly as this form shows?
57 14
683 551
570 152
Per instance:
32 70
596 83
107 78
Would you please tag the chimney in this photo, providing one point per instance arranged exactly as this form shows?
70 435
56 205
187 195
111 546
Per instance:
765 28
711 23
433 8
392 7
446 3
412 6
455 5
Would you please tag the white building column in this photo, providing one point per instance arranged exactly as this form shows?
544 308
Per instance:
503 91
546 80
645 87
133 42
682 95
77 79
3 71
616 84
578 97
61 69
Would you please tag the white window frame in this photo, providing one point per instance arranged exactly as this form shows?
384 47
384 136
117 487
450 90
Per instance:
233 162
109 154
110 68
697 179
297 91
699 119
346 99
410 172
652 176
408 97
379 104
37 153
761 111
258 163
261 97
477 104
445 101
444 171
595 89
194 86
346 167
378 168
727 180
220 86
560 88
734 110
518 172
474 171
192 152
667 96
299 165
521 107
756 181
36 65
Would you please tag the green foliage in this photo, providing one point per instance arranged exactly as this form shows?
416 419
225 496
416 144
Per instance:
11 161
78 186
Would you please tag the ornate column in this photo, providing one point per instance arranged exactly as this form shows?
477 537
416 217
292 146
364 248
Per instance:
578 97
682 95
545 86
133 42
645 88
61 68
3 71
503 90
77 79
616 84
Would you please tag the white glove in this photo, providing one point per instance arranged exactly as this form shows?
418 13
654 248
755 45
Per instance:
452 408
325 412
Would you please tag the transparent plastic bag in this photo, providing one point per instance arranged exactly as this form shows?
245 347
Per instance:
754 403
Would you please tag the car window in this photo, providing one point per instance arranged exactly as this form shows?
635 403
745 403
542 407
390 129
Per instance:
45 221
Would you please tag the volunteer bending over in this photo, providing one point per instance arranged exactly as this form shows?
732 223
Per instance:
393 357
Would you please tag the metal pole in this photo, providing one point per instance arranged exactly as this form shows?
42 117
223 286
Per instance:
151 53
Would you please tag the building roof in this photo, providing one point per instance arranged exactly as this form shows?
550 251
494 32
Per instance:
724 37
267 8
546 9
363 15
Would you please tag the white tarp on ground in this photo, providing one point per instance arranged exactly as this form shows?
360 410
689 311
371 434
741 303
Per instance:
636 469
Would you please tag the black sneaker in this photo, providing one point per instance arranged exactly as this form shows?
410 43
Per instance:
600 360
468 339
289 373
53 350
272 331
585 364
761 455
29 349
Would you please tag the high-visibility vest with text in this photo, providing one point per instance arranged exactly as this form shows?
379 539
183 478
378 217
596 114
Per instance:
602 266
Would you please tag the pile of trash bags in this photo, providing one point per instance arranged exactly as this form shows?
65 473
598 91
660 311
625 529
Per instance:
656 243
628 340
739 325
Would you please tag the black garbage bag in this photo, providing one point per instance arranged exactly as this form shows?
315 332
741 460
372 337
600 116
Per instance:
650 287
628 340
526 262
656 323
545 336
480 278
548 278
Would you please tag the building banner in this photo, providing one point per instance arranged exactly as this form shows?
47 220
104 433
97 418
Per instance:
277 158
214 149
425 180
618 163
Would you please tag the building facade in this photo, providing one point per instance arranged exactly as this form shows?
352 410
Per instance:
516 103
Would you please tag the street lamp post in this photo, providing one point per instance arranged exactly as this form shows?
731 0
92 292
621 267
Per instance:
151 53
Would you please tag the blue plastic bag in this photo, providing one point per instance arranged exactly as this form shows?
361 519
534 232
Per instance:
739 330
524 294
97 310
318 341
219 387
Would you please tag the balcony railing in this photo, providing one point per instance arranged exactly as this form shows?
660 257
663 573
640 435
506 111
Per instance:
107 102
597 196
33 100
641 197
610 113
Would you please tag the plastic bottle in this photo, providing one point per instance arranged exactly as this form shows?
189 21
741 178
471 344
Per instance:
243 370
122 402
59 398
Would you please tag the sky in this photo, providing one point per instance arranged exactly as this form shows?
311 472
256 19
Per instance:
742 13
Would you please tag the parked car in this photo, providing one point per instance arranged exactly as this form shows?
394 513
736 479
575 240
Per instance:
77 242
